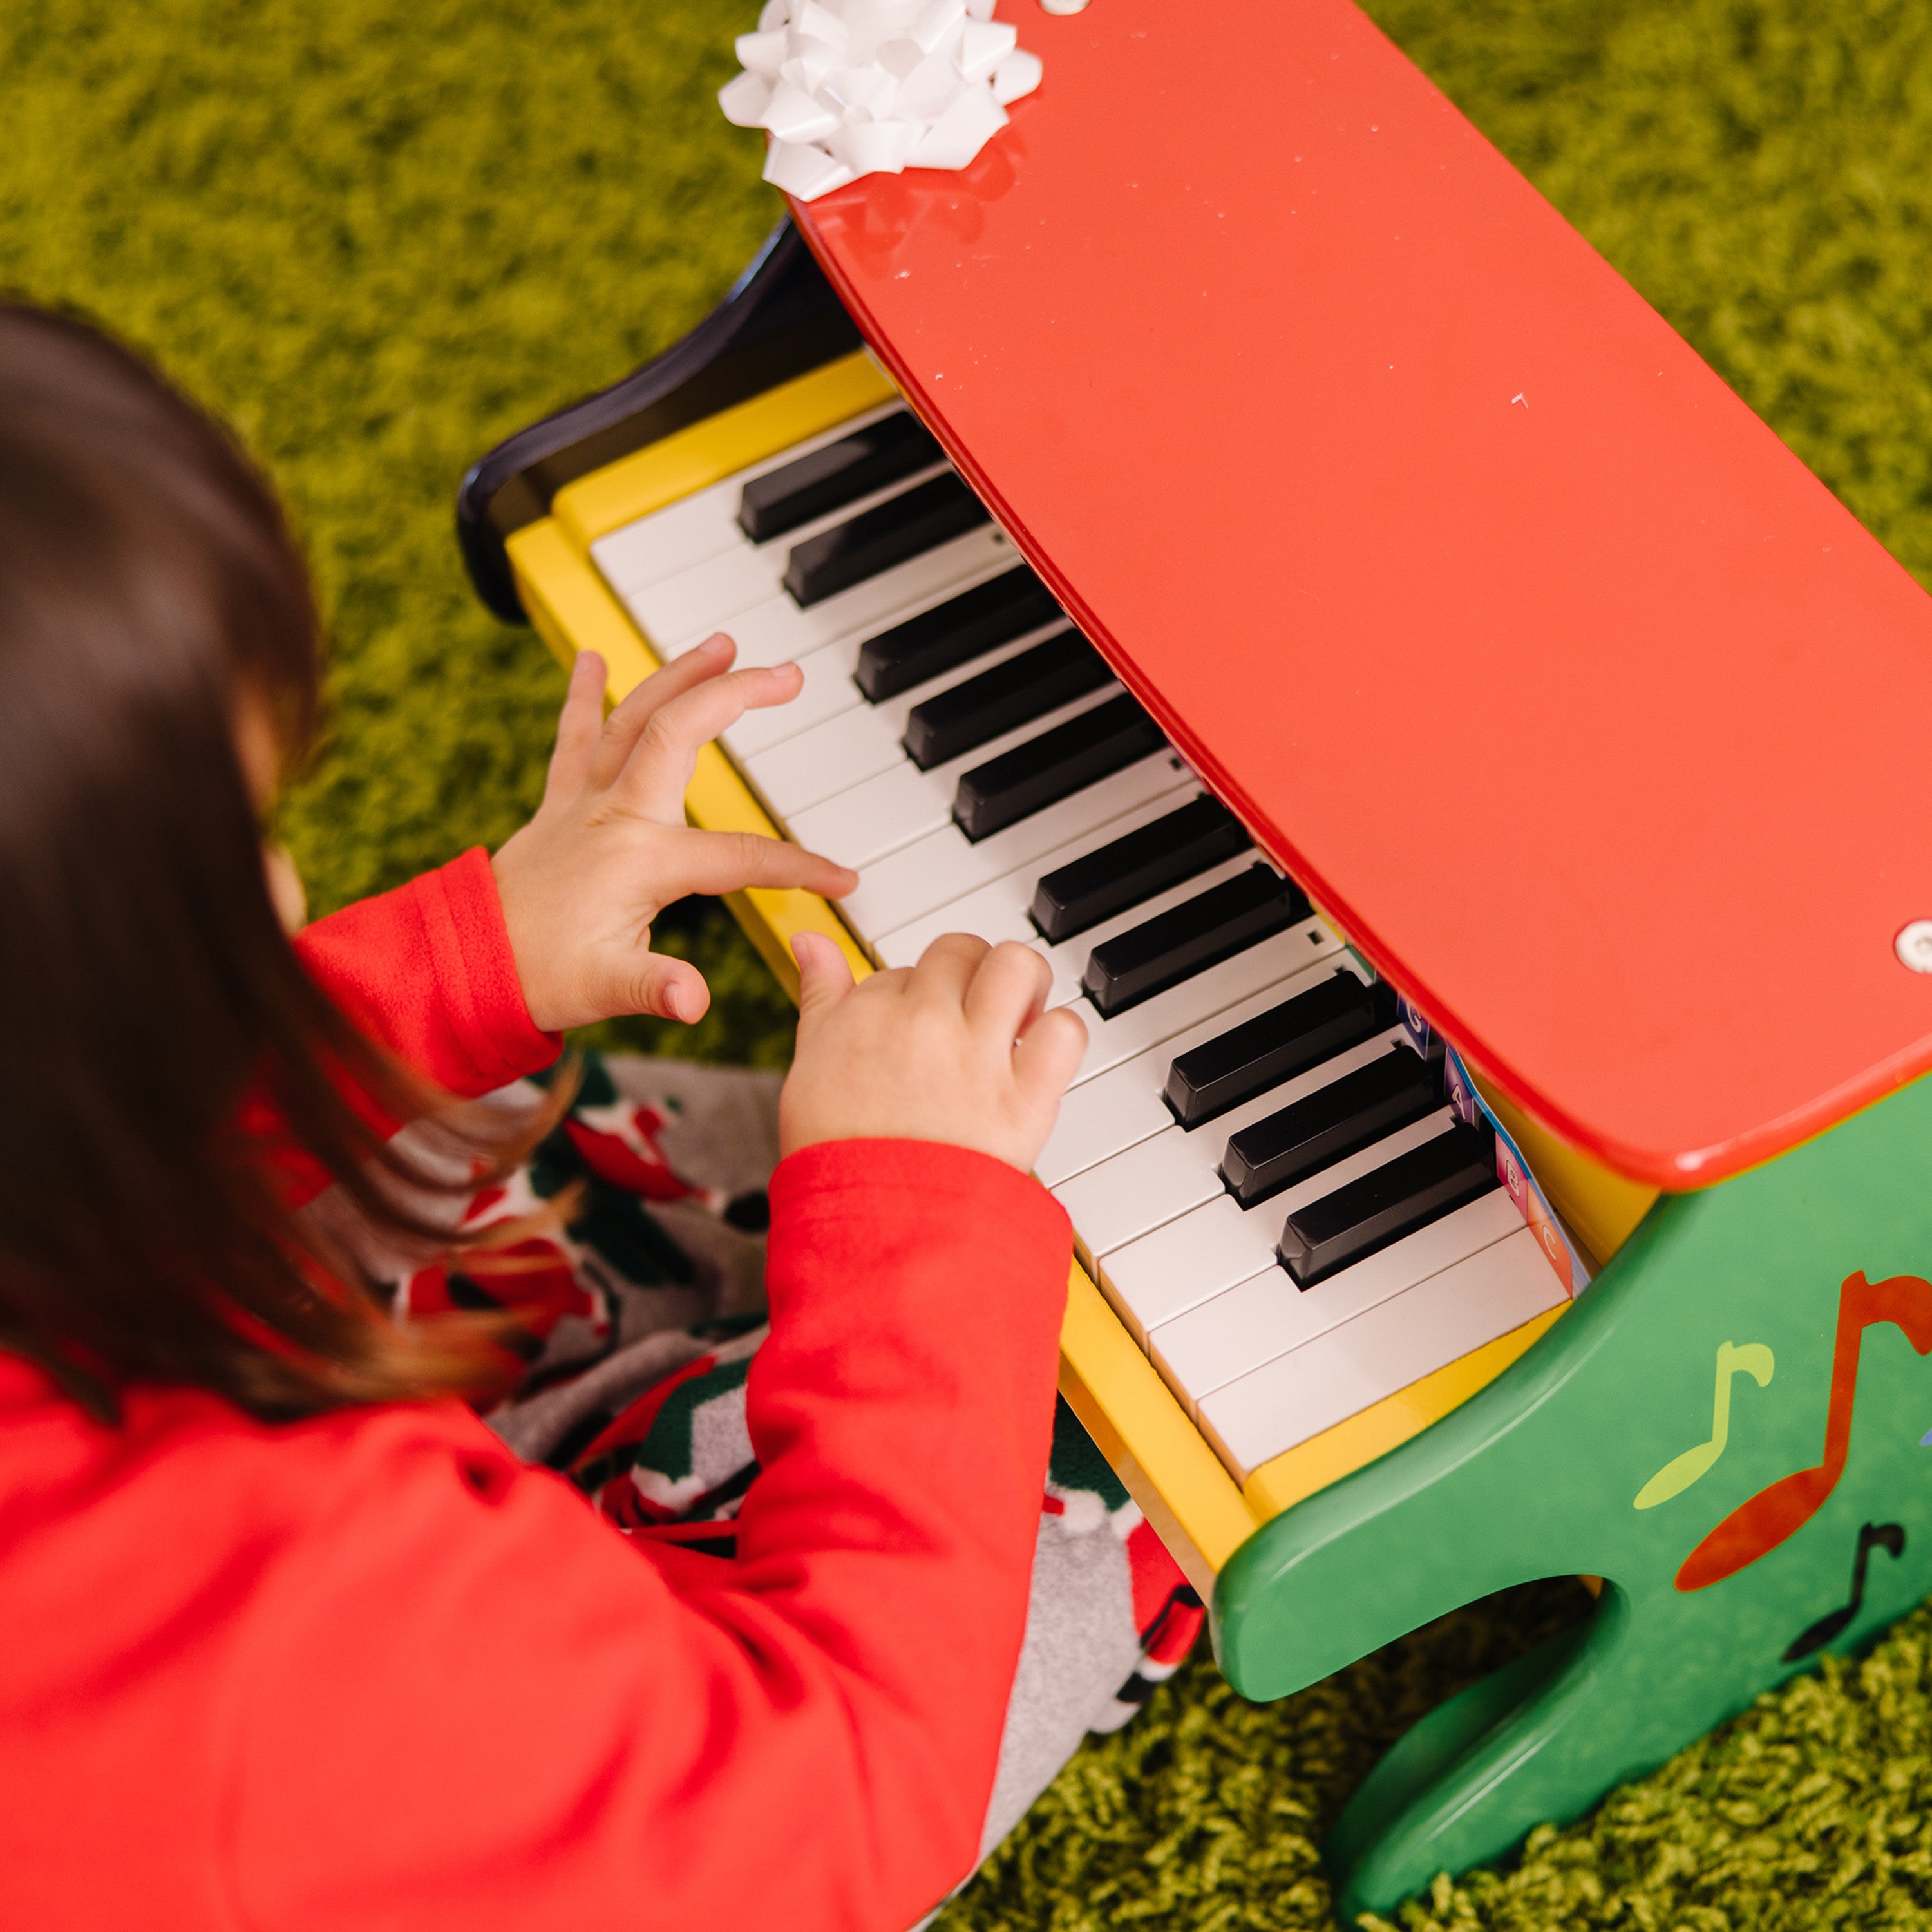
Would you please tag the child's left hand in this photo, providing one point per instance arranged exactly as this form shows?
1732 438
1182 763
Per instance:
609 847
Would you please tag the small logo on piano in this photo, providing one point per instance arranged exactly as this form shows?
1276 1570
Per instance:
1914 946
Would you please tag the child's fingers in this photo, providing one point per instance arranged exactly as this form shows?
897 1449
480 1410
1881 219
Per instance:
667 988
665 750
1048 1055
824 976
579 726
728 862
946 969
644 702
1008 990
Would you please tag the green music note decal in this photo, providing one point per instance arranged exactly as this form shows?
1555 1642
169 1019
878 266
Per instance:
1677 1475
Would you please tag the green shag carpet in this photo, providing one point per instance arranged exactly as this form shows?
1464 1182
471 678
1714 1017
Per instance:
379 236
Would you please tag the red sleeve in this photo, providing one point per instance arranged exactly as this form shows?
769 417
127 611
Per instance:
427 970
467 1705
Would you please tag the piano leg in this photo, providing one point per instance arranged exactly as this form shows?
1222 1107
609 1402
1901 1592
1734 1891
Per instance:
1727 1428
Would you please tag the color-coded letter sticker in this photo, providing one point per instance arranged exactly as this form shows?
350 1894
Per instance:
1414 1025
1467 1103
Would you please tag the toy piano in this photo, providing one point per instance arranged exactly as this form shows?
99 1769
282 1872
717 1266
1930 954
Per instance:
1469 777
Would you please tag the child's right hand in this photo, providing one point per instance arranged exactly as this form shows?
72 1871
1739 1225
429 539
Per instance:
609 848
956 1048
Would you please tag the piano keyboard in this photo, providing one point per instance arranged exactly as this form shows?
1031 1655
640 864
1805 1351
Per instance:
1260 1170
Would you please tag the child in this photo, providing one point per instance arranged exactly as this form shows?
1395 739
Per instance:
291 1639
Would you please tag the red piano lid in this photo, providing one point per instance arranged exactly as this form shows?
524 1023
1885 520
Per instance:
1593 718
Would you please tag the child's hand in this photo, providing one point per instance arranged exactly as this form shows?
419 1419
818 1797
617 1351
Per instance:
956 1048
609 849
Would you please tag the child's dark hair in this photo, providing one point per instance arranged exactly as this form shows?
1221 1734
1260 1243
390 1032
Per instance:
151 600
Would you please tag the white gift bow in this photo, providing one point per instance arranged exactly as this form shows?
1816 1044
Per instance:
847 88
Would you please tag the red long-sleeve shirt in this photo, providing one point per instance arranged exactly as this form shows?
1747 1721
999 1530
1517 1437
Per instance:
369 1671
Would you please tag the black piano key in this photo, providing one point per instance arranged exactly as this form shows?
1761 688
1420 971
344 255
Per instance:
1276 1045
840 473
954 722
1322 1127
1053 766
1132 869
1173 946
954 633
915 520
1401 1195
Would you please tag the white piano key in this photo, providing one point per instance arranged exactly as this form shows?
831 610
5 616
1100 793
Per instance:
1191 1259
999 910
827 691
1151 1183
776 630
871 820
1361 1362
1110 1041
1159 1178
860 826
946 869
829 686
905 947
831 757
859 743
1204 1253
704 597
1069 959
1103 1116
705 523
1251 1323
994 913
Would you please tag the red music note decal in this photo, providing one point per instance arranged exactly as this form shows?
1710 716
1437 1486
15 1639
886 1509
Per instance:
1757 1527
